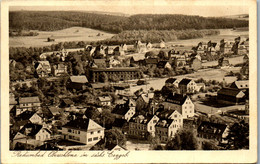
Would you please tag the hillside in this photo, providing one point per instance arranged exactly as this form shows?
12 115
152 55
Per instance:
57 20
68 34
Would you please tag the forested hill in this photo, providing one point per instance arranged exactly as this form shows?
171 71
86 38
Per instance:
57 20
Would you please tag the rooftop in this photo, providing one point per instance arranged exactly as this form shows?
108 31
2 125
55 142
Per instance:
78 79
29 100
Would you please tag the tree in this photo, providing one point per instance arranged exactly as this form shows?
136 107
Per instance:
206 145
238 136
183 140
115 136
103 77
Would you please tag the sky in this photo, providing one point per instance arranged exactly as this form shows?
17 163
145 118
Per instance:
145 7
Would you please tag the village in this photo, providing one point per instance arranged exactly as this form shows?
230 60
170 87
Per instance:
97 97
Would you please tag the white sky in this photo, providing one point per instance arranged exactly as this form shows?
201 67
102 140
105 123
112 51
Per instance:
145 7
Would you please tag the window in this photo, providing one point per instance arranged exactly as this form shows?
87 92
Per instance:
90 139
69 130
47 136
91 132
95 138
78 132
151 128
99 131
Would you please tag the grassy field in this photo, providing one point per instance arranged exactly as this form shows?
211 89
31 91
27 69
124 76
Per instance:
69 34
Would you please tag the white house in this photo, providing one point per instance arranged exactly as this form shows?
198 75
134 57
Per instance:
84 131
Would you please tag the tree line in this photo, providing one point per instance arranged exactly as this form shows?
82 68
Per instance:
57 20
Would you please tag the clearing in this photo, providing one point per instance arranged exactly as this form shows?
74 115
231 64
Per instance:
65 35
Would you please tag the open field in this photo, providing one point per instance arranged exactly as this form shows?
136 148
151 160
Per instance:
65 35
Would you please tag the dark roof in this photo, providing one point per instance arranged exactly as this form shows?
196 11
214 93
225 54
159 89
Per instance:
165 114
212 128
142 119
120 109
185 81
119 122
114 69
83 124
229 91
170 80
67 101
25 115
164 123
176 98
34 129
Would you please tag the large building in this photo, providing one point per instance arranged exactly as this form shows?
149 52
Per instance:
84 131
123 73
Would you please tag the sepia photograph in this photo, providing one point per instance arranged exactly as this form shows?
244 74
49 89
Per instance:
128 77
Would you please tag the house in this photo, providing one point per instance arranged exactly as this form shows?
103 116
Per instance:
59 70
66 103
200 86
187 86
195 64
84 131
166 129
55 111
42 68
181 103
140 47
122 89
118 51
143 100
164 64
242 85
124 47
109 50
115 147
230 96
212 131
35 131
114 62
162 44
29 116
141 126
179 61
29 103
105 100
125 111
149 46
77 82
137 59
173 81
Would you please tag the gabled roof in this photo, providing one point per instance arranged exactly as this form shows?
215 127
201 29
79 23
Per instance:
119 123
212 128
99 61
26 115
104 98
54 110
115 147
170 80
176 99
141 119
164 123
31 129
79 79
147 96
120 109
29 100
185 81
138 57
230 92
241 84
83 124
165 114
